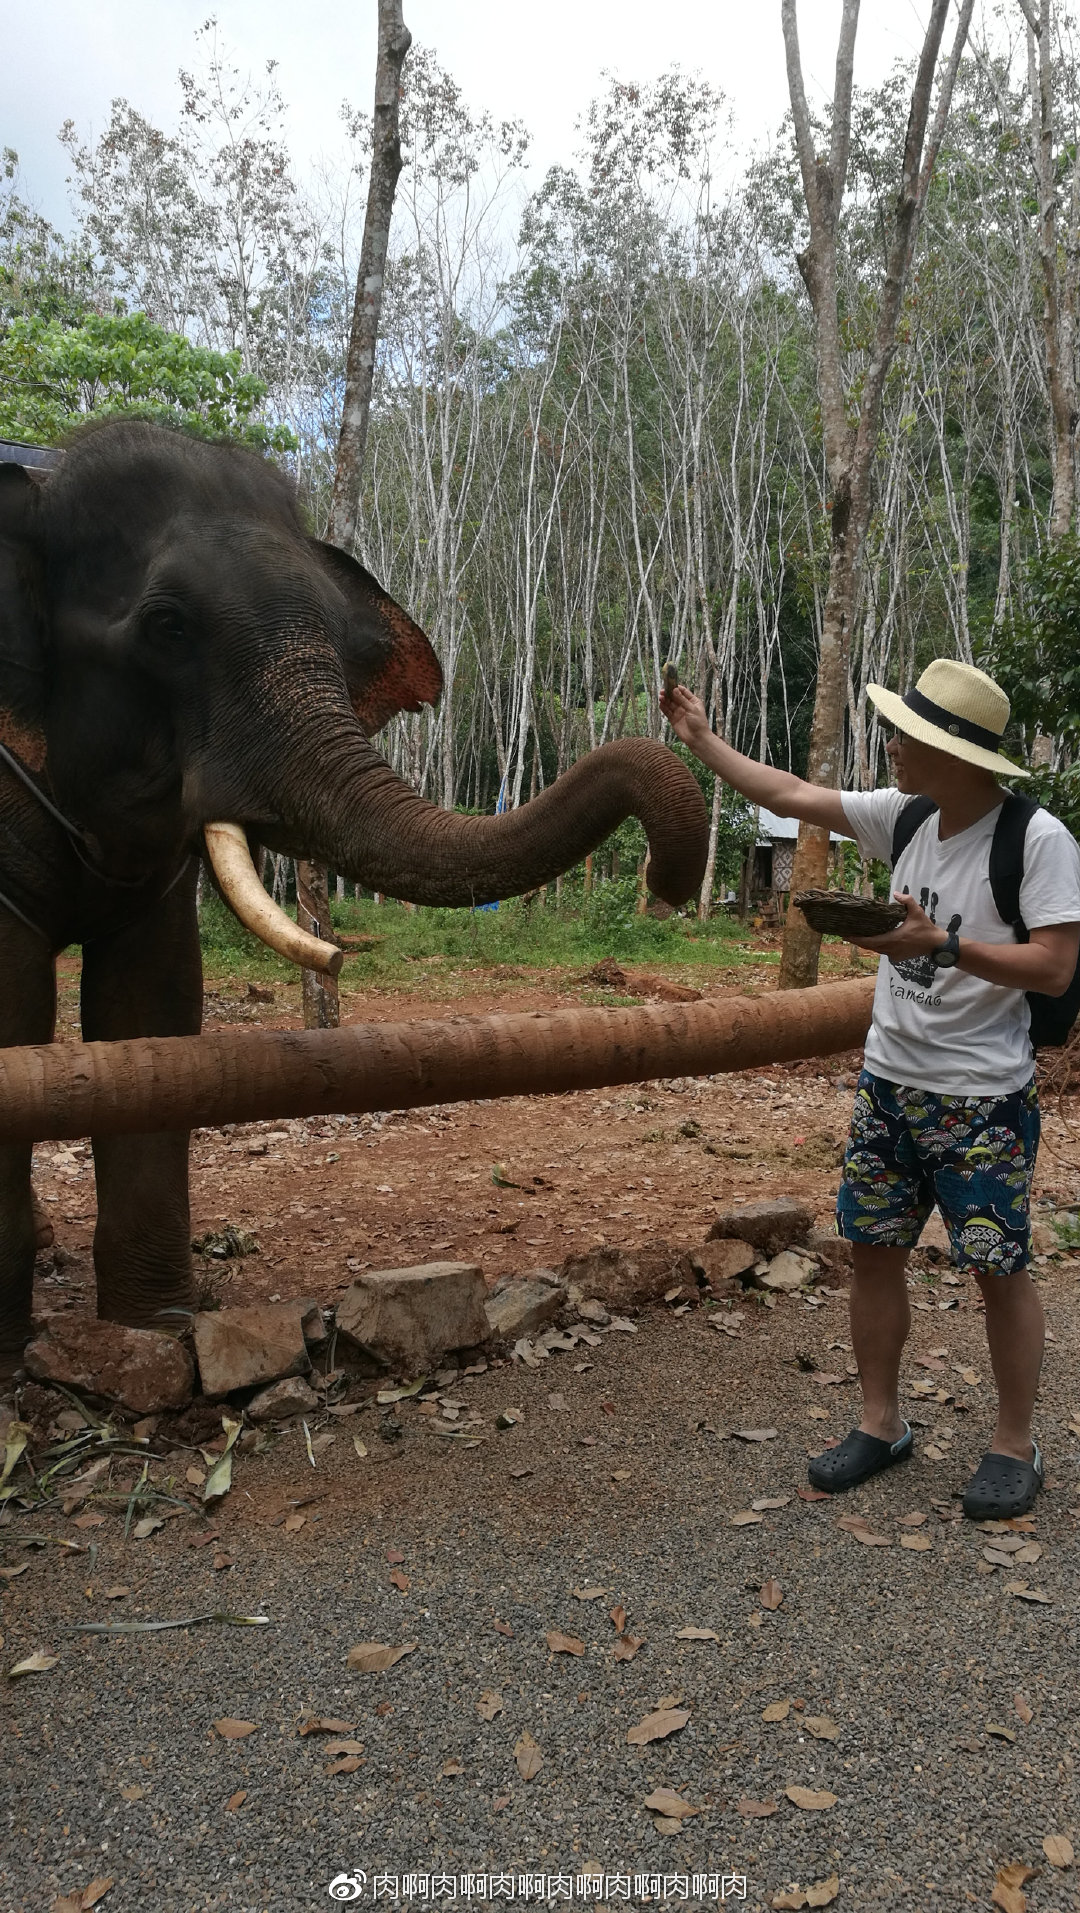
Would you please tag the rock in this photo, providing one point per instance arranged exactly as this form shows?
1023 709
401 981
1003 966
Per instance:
720 1263
291 1396
44 1234
785 1273
314 1325
138 1367
830 1250
408 1318
593 1311
629 1278
519 1305
245 1348
771 1226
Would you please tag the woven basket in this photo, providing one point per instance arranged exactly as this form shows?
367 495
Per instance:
834 913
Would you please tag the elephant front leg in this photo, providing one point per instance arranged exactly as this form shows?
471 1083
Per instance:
27 1015
142 1244
18 1246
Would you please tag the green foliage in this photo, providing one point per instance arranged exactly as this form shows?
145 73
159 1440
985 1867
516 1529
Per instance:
1036 659
52 375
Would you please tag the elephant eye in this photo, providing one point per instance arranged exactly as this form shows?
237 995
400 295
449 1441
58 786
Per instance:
164 624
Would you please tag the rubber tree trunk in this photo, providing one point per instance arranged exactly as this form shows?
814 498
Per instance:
230 1075
320 993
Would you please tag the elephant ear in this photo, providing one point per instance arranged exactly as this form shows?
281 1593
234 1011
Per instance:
22 662
389 663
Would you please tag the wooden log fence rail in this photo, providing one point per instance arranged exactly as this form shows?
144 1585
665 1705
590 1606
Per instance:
234 1075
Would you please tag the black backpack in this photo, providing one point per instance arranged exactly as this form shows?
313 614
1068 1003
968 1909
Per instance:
1052 1017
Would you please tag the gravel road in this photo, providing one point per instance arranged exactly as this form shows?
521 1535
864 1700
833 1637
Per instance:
906 1659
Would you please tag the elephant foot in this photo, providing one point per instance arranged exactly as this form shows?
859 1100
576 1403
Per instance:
166 1316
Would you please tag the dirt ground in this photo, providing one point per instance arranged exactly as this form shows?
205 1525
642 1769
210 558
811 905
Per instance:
512 1184
659 1471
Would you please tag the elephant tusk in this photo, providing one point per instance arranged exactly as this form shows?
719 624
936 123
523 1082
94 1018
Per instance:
227 848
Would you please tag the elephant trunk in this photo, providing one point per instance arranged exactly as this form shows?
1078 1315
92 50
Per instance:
367 823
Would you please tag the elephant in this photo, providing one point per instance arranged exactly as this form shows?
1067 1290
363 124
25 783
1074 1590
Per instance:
184 669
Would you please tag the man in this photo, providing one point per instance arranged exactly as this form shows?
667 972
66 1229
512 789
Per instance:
946 1109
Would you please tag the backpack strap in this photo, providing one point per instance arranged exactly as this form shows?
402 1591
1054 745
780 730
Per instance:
1007 860
910 819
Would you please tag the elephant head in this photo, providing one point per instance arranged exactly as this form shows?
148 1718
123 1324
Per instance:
184 658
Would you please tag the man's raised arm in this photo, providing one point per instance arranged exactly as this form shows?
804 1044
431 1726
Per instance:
778 791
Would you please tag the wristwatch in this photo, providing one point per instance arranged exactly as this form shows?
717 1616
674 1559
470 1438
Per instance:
948 956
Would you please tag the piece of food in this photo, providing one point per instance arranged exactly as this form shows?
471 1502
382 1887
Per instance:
670 677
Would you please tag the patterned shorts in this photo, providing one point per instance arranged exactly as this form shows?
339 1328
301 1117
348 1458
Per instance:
973 1156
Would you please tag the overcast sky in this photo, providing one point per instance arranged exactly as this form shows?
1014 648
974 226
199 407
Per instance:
70 58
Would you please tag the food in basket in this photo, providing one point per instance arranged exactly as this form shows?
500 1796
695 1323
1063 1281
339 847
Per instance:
835 913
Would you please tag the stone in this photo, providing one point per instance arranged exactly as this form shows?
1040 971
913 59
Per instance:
519 1305
590 1310
629 1278
785 1274
833 1253
139 1368
291 1396
771 1226
720 1263
314 1325
246 1348
409 1318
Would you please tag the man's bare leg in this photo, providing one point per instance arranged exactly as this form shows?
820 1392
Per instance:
1015 1331
880 1322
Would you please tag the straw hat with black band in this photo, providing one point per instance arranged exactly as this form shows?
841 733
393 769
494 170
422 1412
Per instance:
956 708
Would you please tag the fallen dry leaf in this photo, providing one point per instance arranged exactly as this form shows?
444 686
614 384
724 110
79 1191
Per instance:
83 1899
323 1724
1022 1708
756 1434
230 1729
851 1523
1027 1556
697 1634
627 1646
147 1526
771 1595
671 1805
294 1522
766 1503
588 1593
818 1414
374 1657
38 1663
450 1769
89 1521
489 1704
1008 1891
912 1520
777 1710
564 1643
617 1617
346 1766
8 1574
821 1727
755 1809
503 1627
823 1892
812 1494
870 1540
811 1799
746 1518
528 1757
917 1543
400 1581
132 1793
1024 1593
1059 1850
657 1726
334 1748
999 1732
236 1800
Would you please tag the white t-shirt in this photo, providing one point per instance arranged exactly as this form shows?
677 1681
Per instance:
945 1030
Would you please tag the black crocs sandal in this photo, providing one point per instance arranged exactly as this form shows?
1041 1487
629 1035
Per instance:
856 1458
1002 1486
